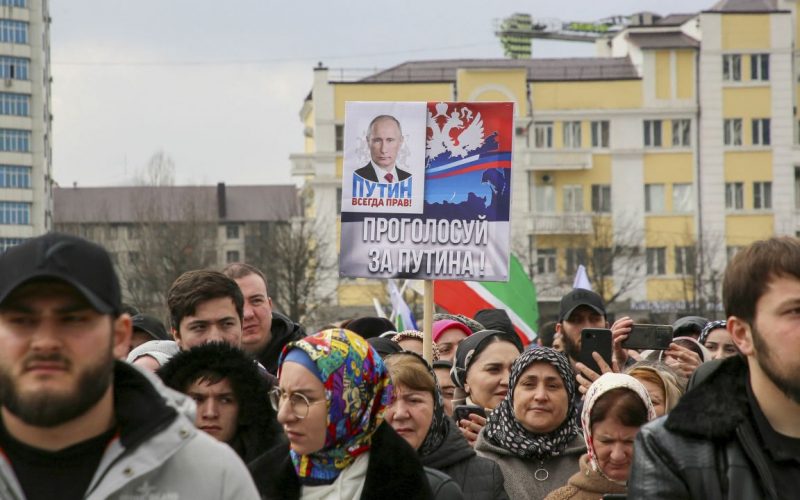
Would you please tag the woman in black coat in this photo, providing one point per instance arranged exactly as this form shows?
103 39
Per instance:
417 414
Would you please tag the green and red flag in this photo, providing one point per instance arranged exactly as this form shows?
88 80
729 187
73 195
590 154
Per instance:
517 297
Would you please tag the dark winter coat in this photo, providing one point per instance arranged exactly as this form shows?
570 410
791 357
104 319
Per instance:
393 472
706 447
283 331
478 477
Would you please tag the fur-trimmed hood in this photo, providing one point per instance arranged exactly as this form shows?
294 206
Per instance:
716 406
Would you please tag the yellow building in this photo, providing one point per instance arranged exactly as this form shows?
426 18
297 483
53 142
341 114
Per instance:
650 164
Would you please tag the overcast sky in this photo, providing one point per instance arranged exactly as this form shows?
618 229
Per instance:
218 85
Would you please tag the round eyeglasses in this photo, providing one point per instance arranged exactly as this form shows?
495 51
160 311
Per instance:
298 402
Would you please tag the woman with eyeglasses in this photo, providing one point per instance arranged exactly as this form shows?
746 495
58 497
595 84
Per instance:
331 398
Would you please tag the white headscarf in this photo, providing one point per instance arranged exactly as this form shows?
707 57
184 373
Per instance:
599 387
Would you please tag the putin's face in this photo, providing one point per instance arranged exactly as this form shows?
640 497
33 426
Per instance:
385 140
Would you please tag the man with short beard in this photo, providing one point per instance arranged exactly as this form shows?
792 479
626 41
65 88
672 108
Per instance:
76 424
736 434
579 309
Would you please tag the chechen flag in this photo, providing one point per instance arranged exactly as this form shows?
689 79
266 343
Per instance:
517 297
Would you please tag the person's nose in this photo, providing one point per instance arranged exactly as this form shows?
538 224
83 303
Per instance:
285 413
46 337
248 311
208 409
540 393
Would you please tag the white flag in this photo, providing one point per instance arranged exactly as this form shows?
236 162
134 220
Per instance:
582 279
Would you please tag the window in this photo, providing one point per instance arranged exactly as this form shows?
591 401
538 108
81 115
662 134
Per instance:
543 135
681 133
797 188
546 261
14 68
600 133
133 257
544 198
13 3
734 195
652 133
112 232
762 195
602 261
654 198
601 198
15 212
13 140
15 104
15 176
573 198
761 132
339 131
232 256
733 131
759 67
684 260
575 257
6 243
134 232
232 231
731 251
732 67
13 31
572 135
656 258
682 197
338 201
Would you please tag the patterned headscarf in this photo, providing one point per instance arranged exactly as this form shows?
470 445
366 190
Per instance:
710 326
416 335
437 432
602 385
504 430
357 391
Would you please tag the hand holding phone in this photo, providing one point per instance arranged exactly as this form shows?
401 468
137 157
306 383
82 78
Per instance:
595 340
462 412
656 337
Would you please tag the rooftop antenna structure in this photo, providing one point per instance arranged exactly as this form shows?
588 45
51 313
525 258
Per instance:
517 31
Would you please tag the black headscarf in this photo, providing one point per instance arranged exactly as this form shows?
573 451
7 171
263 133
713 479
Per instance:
469 349
504 430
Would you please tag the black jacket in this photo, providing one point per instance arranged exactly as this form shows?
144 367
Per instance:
393 472
706 447
478 477
283 331
368 173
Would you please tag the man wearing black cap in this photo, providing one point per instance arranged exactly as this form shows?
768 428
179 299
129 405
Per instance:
580 309
75 422
147 328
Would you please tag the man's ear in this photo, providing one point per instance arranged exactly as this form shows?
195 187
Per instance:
122 328
558 327
176 334
741 334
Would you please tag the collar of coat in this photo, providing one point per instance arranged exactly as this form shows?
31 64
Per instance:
717 405
139 408
394 471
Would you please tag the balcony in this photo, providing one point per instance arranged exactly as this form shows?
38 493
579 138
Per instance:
547 160
302 164
544 224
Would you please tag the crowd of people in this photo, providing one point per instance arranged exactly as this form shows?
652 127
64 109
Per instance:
232 400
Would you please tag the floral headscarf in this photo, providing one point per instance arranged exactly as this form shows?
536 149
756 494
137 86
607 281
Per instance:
437 432
357 391
602 385
504 430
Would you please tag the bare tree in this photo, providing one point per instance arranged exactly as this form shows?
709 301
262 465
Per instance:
174 232
702 274
611 255
294 260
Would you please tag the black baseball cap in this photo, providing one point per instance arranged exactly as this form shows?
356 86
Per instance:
580 297
78 262
150 325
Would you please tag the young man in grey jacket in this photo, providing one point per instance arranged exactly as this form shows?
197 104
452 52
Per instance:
75 422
